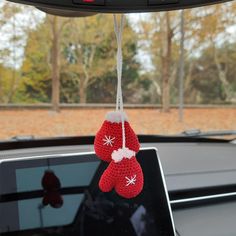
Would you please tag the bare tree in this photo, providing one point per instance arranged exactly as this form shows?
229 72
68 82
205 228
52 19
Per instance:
181 67
55 63
166 62
57 25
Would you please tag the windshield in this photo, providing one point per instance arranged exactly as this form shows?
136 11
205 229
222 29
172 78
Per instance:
58 74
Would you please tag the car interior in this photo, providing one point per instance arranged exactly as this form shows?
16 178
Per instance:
189 179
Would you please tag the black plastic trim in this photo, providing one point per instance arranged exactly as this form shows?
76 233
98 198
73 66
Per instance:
202 196
199 192
118 6
89 140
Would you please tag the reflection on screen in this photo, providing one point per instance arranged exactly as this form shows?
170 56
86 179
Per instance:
32 214
77 174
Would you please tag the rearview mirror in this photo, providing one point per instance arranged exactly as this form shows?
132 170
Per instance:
115 6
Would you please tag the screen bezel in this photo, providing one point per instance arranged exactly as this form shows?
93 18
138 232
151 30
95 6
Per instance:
40 157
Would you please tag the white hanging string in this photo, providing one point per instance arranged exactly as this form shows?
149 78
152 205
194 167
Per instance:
119 96
118 32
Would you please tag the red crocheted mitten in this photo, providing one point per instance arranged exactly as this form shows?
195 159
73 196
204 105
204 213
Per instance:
52 198
124 174
50 181
109 137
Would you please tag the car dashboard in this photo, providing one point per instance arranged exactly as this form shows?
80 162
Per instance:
200 177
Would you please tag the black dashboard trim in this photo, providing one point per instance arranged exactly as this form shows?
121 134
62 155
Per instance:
188 198
199 192
203 201
89 140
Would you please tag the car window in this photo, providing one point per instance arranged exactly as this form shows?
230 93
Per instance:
58 74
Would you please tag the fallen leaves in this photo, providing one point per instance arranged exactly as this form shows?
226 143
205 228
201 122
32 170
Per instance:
80 122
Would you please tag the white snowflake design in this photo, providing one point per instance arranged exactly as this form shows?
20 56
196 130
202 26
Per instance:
131 180
108 141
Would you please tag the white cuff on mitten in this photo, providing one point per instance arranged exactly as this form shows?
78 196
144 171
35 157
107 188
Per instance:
116 116
121 153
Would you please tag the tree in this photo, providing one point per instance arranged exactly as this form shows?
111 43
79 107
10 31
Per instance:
181 66
205 80
16 22
35 84
57 24
8 24
90 49
55 51
208 29
73 66
41 66
212 33
157 34
166 61
5 83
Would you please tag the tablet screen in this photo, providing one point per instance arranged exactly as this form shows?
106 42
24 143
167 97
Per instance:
85 210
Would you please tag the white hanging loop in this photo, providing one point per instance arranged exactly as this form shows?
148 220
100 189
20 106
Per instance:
118 32
119 96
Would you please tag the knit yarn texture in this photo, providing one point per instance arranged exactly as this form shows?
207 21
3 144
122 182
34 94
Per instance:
109 138
126 177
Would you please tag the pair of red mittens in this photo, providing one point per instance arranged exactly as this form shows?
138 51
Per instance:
124 173
51 185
